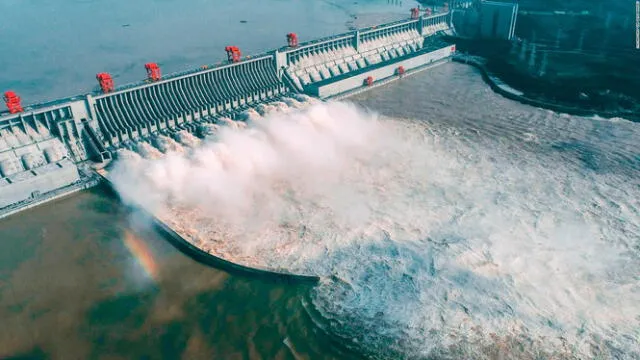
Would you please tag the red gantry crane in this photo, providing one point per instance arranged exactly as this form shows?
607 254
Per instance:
153 71
415 13
13 102
292 39
106 82
233 53
368 81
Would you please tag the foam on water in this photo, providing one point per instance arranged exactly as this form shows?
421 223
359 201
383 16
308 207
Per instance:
147 150
167 144
431 244
225 121
187 139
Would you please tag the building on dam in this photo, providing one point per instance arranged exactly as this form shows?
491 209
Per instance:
498 19
485 19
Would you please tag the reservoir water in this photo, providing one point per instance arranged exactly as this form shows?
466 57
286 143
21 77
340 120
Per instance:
52 49
528 228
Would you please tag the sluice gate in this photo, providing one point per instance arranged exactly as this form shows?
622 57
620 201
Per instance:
42 145
131 114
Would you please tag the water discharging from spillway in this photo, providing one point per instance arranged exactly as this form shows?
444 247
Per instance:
427 246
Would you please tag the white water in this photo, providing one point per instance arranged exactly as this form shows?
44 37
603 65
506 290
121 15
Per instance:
432 243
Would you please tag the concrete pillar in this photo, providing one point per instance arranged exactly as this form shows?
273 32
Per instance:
281 61
24 125
67 125
357 40
90 103
46 123
59 129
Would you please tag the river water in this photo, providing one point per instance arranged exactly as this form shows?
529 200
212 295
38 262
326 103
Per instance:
527 209
81 281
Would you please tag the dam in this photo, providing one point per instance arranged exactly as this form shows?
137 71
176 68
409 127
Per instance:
53 148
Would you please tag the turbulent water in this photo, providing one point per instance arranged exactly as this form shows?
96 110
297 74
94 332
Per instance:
503 230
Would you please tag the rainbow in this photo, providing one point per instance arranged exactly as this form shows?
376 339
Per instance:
142 253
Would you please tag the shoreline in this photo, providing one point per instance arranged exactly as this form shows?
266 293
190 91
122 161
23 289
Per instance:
499 87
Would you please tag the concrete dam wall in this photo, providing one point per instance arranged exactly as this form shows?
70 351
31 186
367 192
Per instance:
312 66
137 112
45 147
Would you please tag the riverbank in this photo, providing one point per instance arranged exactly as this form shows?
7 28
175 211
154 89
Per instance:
509 92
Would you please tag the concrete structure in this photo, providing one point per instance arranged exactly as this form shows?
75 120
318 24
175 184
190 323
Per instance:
498 19
41 144
33 161
136 112
486 19
316 64
342 84
31 184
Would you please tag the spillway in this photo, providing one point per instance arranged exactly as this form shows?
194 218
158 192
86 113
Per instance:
49 147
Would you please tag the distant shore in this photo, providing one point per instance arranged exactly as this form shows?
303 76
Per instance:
507 91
